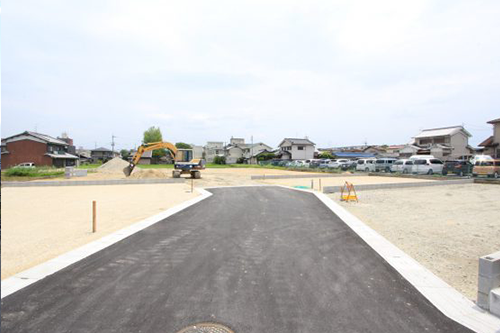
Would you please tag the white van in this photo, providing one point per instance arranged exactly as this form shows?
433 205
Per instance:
366 164
418 157
403 166
428 166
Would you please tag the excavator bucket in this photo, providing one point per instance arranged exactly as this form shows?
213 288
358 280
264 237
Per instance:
128 170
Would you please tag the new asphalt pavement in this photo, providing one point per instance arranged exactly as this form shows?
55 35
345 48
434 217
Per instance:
257 259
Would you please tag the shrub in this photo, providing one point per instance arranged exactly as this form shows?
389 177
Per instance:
219 160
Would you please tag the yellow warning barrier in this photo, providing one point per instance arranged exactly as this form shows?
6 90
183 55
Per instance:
348 193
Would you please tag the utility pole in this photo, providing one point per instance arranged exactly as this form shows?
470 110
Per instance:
113 143
251 150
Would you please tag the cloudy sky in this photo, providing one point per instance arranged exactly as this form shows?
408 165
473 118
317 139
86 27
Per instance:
339 72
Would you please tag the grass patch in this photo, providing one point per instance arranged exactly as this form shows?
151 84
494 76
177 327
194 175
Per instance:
22 174
89 166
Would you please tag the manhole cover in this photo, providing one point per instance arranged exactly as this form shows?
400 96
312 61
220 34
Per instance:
206 328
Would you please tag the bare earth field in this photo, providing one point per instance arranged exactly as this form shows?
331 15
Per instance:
445 228
40 223
339 181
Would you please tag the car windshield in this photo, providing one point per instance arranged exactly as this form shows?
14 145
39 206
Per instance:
380 161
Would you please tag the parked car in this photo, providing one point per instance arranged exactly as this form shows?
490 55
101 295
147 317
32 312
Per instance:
324 164
459 167
303 163
427 166
348 165
26 165
402 166
366 164
384 164
315 163
489 168
339 163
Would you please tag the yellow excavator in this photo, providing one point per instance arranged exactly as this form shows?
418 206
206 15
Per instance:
183 159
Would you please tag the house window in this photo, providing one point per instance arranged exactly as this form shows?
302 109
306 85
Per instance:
300 147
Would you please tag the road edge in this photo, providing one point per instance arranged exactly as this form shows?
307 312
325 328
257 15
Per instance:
25 278
443 296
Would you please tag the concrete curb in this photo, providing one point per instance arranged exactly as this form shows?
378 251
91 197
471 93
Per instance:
444 297
94 182
34 274
336 189
318 175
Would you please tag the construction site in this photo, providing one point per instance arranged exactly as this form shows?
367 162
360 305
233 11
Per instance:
446 236
250 167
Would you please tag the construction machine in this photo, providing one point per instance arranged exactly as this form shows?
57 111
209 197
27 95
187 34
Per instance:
183 159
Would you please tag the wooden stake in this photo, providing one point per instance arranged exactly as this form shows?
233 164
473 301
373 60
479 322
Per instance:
94 216
312 184
192 184
320 184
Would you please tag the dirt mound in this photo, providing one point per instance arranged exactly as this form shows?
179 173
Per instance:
115 165
150 173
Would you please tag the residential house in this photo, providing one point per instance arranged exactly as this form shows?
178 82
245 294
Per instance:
197 151
393 150
212 149
491 146
446 143
101 154
37 148
83 155
239 151
146 157
296 149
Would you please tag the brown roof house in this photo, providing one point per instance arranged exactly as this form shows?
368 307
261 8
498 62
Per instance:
37 148
492 144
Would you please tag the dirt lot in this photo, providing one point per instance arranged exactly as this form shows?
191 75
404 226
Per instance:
40 223
339 181
445 228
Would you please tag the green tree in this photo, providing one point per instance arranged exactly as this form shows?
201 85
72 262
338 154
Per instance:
325 155
220 160
125 154
266 156
153 134
182 145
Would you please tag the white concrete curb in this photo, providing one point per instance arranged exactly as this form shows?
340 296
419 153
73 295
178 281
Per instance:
34 274
444 297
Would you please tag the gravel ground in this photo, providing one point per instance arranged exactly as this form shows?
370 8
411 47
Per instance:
445 228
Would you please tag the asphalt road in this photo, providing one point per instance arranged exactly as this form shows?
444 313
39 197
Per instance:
258 259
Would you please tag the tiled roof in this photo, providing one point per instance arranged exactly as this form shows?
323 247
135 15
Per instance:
296 141
487 142
443 131
44 137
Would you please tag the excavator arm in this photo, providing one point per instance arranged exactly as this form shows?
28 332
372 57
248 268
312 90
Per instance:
147 147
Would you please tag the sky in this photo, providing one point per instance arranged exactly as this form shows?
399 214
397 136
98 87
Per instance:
339 72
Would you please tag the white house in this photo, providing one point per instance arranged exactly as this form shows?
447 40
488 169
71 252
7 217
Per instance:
238 150
212 149
296 149
445 143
